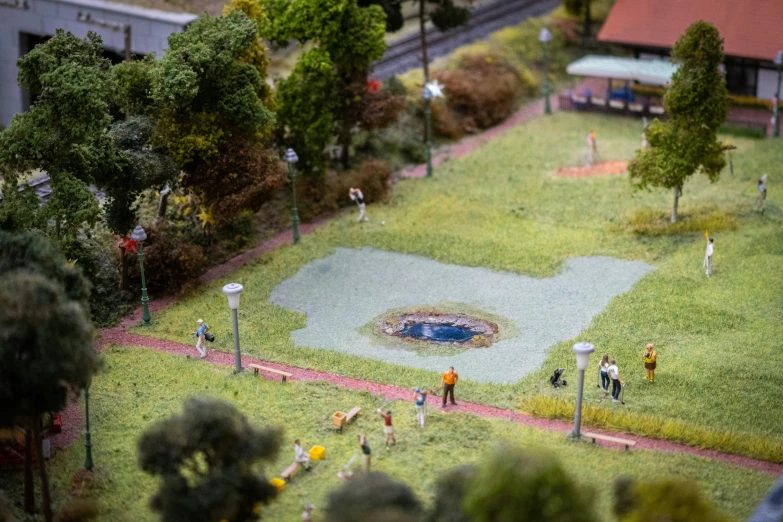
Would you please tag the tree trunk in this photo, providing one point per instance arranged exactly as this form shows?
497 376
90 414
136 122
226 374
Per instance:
47 500
29 488
124 285
588 22
345 145
425 62
677 194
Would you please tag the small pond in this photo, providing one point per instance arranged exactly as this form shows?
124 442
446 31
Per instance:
439 332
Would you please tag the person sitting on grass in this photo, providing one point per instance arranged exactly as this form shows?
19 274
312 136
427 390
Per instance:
388 429
300 456
650 357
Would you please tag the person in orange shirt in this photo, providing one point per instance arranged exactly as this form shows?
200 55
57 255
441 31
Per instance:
447 382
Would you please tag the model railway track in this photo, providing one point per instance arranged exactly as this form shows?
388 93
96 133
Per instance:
405 53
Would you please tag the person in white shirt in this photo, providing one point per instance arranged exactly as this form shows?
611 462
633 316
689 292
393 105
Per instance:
708 256
762 185
617 382
420 400
301 456
356 195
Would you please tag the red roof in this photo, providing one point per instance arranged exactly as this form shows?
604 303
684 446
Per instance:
750 28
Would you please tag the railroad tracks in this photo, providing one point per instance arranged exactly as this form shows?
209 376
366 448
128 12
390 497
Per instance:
405 53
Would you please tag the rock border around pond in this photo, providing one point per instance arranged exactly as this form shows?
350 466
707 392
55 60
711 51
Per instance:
485 331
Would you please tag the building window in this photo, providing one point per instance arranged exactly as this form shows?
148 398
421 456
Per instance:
741 77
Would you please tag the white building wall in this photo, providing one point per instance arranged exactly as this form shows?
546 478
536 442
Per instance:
767 83
149 33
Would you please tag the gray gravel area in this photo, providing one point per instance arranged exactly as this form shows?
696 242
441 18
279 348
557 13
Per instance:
340 293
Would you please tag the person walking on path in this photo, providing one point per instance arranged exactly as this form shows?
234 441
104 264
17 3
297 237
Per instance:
388 429
447 382
300 456
650 357
762 199
365 453
708 256
603 368
356 195
420 400
201 338
617 382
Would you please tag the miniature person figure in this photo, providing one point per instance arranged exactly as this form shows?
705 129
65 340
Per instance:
762 185
365 453
200 336
301 456
447 382
593 145
708 256
420 399
650 358
356 195
388 429
617 382
603 367
308 512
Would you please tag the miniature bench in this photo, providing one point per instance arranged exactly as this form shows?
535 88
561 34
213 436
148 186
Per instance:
257 367
290 470
340 419
625 442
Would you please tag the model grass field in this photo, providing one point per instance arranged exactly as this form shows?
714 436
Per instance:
139 387
500 208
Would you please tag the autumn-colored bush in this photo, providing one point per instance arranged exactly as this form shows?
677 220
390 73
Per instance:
380 109
482 92
444 122
172 262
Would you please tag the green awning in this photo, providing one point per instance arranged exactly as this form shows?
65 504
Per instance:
653 72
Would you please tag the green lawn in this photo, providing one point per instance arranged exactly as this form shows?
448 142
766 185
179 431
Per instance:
500 207
140 386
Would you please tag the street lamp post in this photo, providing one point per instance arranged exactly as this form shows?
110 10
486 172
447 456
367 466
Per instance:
232 291
426 95
582 351
138 235
87 437
779 63
291 158
545 37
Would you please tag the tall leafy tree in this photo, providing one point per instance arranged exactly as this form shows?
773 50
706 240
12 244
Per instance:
696 102
205 458
348 35
65 132
46 349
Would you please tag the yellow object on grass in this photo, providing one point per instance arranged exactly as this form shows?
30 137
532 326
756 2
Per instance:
317 453
707 234
278 483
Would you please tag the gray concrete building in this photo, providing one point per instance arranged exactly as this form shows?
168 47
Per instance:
25 23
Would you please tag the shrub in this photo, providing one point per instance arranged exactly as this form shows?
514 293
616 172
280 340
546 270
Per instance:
653 426
648 221
652 501
171 263
445 122
482 92
393 85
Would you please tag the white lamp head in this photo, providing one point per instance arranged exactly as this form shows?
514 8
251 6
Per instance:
232 291
138 234
544 36
290 156
583 351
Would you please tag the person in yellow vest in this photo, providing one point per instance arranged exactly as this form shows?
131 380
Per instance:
650 358
448 382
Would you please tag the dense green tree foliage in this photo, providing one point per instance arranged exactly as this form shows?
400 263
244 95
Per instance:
46 349
581 8
662 500
206 458
696 102
375 497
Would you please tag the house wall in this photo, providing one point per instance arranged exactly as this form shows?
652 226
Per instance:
149 33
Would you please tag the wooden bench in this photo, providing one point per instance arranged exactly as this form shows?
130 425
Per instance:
258 367
595 436
290 470
349 417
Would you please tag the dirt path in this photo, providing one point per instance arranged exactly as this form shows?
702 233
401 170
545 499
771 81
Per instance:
121 337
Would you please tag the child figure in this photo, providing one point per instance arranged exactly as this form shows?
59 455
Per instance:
356 195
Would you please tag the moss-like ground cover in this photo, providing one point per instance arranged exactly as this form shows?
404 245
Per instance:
141 386
500 207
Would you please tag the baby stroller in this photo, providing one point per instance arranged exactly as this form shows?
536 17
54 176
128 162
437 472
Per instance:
555 380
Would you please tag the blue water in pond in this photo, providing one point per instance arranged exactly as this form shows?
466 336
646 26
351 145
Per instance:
438 332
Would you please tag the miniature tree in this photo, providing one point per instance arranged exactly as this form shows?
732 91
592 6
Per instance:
206 458
675 500
697 103
579 8
375 497
45 342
